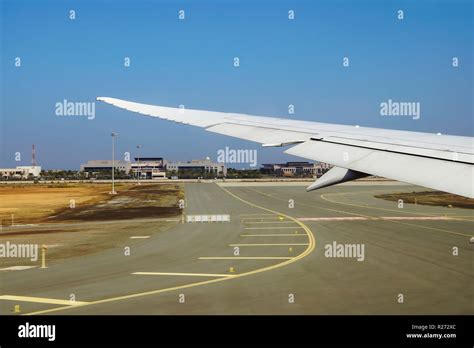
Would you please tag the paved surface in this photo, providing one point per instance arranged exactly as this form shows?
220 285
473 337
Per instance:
281 267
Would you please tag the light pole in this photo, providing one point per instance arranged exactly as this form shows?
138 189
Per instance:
113 134
138 164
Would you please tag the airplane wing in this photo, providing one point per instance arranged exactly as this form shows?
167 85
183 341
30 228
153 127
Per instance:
441 162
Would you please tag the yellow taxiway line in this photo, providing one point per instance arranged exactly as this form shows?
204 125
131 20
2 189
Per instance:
430 228
313 206
42 300
396 221
323 196
306 252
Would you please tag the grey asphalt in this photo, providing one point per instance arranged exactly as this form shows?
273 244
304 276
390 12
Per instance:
410 257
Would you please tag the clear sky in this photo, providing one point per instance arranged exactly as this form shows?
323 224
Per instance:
190 62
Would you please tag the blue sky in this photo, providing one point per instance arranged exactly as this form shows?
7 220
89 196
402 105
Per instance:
190 62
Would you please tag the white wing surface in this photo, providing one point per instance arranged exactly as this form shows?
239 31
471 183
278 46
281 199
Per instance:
441 162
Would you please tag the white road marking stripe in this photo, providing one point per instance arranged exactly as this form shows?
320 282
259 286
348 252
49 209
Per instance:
270 222
41 300
271 244
272 228
17 268
184 274
139 237
416 218
335 218
274 235
244 258
256 214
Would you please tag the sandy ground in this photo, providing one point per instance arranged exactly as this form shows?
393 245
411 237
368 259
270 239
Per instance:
430 198
38 203
31 203
97 221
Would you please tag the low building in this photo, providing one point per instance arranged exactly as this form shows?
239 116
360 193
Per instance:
295 169
98 166
20 172
322 168
149 168
154 167
201 165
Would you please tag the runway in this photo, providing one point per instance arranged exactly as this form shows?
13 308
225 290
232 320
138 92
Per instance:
269 259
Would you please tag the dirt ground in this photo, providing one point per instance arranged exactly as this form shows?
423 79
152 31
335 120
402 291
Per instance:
96 221
30 204
436 198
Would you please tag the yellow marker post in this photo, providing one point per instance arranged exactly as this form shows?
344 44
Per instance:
231 269
290 249
281 218
296 232
16 308
43 255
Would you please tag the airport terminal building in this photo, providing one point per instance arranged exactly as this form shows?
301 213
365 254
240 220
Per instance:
201 165
149 167
98 166
154 167
296 168
20 172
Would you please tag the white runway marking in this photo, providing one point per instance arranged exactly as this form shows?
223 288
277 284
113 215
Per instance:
275 235
40 300
256 214
335 218
244 258
270 244
17 268
272 228
139 237
184 274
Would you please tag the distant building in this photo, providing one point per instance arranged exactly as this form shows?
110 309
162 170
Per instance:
295 169
202 165
98 166
322 168
153 167
149 167
20 172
